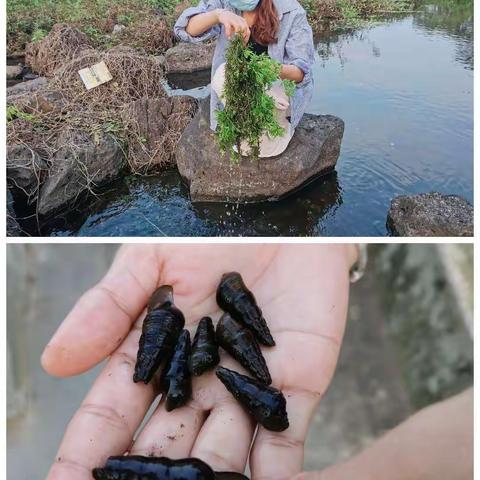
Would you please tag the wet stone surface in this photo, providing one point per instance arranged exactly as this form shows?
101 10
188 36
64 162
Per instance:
430 215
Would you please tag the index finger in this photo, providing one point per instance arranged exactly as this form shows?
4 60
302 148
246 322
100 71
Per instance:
246 34
104 315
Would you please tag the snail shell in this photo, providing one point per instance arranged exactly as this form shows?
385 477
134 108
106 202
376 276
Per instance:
160 331
176 379
136 467
204 349
265 404
241 344
235 298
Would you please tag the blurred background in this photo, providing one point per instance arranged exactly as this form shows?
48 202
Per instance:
408 344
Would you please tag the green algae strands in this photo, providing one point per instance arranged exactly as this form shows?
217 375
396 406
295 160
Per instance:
235 298
136 467
160 331
204 349
176 380
265 404
249 111
241 344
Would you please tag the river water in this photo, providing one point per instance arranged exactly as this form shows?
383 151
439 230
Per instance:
404 88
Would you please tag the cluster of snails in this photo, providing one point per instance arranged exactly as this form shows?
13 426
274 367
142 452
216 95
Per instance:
239 332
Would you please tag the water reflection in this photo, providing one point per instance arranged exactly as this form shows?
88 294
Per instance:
454 19
296 215
159 206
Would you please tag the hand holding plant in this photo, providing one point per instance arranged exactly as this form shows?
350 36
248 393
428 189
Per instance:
249 111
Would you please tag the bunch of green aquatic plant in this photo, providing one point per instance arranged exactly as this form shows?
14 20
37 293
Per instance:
249 111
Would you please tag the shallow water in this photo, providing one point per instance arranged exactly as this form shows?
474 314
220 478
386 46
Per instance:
405 90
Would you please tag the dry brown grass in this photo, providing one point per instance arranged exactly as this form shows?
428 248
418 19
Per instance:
61 45
100 110
154 35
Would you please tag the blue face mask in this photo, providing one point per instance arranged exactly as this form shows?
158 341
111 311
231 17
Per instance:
244 5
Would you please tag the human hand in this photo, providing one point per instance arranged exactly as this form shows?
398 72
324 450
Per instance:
233 23
303 292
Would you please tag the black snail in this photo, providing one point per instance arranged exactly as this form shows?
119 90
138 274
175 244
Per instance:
241 344
136 467
204 349
265 404
160 331
236 299
176 380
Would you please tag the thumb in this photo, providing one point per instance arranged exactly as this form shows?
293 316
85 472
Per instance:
104 315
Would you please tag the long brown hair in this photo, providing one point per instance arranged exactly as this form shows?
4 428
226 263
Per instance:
266 24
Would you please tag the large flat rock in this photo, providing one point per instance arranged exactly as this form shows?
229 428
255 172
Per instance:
211 176
430 215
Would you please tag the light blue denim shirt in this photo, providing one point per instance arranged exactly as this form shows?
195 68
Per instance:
294 47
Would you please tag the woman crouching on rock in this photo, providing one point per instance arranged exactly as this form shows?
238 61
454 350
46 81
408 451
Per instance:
278 28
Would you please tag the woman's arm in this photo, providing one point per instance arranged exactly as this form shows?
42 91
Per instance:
435 443
202 22
292 72
299 51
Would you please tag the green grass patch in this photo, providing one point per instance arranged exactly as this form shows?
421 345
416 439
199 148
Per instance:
31 20
14 113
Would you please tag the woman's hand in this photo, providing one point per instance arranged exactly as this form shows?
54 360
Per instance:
303 292
199 24
233 24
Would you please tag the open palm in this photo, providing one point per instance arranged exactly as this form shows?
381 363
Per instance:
303 292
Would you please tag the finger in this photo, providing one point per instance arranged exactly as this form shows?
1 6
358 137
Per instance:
106 421
246 35
279 455
104 315
225 438
170 434
228 30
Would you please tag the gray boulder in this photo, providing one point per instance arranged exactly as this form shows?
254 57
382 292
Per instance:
81 164
189 57
312 152
14 71
158 122
26 87
118 28
39 101
25 171
13 227
430 215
